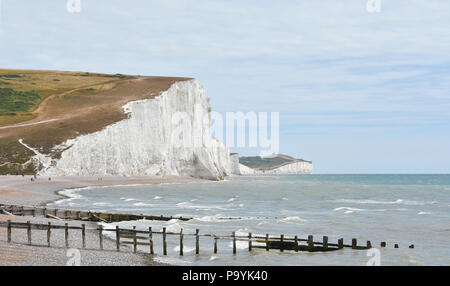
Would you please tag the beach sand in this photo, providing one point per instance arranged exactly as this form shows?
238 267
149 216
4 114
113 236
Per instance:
22 191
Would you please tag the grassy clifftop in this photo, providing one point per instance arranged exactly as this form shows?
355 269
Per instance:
13 102
44 84
46 108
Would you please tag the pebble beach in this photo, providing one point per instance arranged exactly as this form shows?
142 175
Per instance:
23 191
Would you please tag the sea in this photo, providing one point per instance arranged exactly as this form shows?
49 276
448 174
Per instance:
396 209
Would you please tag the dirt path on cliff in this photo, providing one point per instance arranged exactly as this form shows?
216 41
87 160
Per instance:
30 123
44 113
122 92
70 113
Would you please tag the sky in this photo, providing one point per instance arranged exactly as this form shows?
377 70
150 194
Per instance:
357 90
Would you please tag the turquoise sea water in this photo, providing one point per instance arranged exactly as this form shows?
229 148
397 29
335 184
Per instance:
403 209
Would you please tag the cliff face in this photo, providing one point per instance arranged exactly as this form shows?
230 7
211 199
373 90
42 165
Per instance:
294 168
279 164
168 135
235 166
244 170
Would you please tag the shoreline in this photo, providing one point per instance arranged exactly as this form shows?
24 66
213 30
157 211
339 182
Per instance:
22 191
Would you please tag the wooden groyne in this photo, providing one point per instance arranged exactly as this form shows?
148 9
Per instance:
137 238
66 214
133 237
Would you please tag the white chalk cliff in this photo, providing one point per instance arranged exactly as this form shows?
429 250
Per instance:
294 168
239 169
234 160
167 135
277 164
244 170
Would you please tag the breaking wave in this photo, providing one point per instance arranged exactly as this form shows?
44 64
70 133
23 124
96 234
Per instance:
189 205
293 219
396 202
141 204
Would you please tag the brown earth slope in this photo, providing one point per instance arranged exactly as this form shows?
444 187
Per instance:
72 104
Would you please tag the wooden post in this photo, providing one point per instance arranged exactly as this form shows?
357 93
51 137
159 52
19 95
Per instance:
296 243
311 242
354 243
49 233
250 242
341 243
29 232
56 212
151 240
134 240
9 231
67 235
83 235
282 243
164 241
215 245
44 212
234 243
369 244
197 242
33 212
117 238
78 216
181 242
100 236
325 242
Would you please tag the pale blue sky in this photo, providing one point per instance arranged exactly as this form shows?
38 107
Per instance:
357 92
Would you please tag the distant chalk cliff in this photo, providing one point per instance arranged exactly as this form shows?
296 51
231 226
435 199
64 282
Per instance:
277 164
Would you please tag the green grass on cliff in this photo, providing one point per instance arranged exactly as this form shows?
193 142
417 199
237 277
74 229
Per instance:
13 101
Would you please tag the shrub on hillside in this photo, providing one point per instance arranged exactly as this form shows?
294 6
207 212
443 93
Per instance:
12 100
